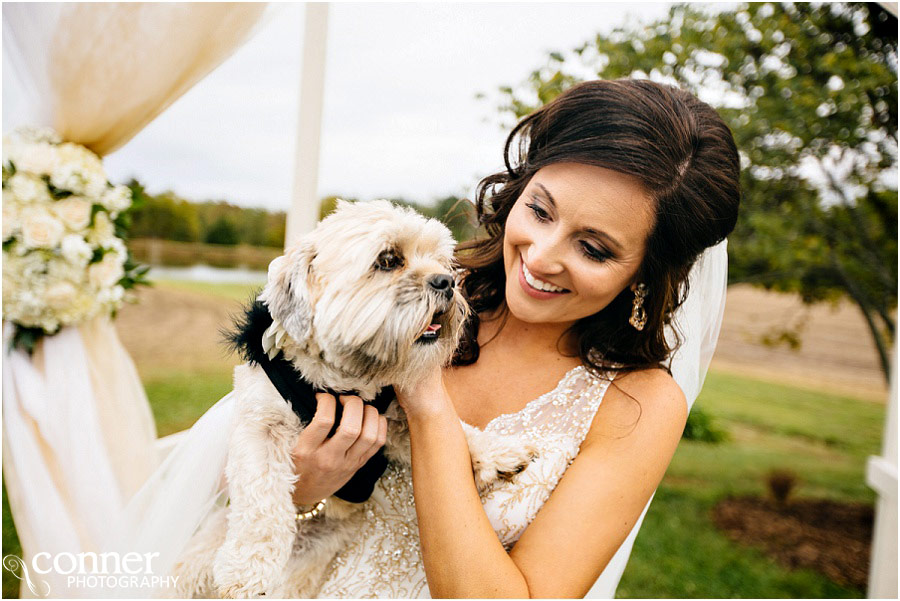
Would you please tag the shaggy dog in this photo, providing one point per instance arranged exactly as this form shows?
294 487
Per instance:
366 300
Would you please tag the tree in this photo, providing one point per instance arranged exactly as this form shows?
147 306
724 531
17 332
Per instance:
810 92
458 215
223 231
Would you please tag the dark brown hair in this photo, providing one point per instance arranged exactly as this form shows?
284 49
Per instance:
684 156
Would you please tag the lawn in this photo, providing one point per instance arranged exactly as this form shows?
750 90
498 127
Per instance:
824 438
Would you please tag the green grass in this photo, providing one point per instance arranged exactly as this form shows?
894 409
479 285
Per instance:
178 399
824 438
238 292
679 554
12 546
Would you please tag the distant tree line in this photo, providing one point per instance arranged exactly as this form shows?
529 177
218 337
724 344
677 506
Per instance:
167 216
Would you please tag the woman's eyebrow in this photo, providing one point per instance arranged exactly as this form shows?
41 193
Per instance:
547 193
589 230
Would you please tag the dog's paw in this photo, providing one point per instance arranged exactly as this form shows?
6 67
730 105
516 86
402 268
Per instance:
497 457
508 475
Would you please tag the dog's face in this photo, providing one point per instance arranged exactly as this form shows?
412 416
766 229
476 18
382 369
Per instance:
370 292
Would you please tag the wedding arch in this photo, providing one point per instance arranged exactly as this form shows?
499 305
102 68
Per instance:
78 435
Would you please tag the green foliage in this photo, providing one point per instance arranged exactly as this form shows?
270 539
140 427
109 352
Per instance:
701 427
810 92
457 214
169 217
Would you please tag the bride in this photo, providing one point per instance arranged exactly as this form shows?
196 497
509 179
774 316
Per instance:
597 291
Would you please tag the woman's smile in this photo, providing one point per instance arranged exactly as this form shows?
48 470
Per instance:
537 287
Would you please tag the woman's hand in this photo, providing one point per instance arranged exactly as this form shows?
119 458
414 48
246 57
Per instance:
324 464
426 397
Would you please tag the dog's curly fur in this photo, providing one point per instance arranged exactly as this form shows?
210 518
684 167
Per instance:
354 322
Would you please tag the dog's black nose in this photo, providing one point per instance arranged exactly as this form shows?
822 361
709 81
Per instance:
442 283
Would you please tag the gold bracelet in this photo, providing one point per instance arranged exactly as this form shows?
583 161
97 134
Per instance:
311 513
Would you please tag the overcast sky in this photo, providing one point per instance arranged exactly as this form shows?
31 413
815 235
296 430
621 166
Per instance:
401 116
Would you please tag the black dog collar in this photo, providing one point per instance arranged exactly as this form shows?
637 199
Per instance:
246 339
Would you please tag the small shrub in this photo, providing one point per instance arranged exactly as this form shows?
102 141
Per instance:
781 483
701 427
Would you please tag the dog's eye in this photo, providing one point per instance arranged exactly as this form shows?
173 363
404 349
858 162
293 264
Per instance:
388 260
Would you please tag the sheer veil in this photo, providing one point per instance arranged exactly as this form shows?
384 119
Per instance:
165 512
161 517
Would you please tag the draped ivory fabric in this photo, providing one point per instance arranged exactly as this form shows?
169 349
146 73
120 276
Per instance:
98 73
78 434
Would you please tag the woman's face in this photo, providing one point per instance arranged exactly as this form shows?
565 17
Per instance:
574 240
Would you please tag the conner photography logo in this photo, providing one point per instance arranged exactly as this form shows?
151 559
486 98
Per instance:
87 571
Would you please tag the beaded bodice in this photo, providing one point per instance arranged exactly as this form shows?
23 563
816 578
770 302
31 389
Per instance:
384 560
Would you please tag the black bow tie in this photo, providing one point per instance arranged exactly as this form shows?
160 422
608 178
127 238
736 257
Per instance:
246 339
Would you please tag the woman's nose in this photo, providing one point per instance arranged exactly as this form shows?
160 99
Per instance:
543 257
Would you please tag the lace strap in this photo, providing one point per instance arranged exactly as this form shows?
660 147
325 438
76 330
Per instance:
566 411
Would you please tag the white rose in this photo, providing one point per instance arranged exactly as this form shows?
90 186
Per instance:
79 170
36 134
76 250
39 159
60 269
40 229
117 199
74 211
11 223
117 246
60 295
106 272
103 230
27 188
112 295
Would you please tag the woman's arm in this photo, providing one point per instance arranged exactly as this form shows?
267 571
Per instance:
463 556
584 521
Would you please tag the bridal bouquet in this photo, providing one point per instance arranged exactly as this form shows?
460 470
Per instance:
64 257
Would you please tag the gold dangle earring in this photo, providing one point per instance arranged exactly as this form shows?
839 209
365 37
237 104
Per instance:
638 315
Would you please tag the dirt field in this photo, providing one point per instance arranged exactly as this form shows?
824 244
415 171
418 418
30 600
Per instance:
836 352
173 328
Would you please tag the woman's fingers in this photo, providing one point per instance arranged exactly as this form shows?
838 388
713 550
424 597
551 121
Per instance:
315 433
350 427
361 450
361 432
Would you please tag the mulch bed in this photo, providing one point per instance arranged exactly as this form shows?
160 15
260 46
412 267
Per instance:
830 537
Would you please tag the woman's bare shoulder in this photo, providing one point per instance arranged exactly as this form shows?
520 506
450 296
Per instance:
640 403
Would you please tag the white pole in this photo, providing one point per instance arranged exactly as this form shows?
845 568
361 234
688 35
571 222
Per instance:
304 210
881 475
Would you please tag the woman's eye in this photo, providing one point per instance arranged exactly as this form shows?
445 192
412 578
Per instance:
539 213
594 253
388 261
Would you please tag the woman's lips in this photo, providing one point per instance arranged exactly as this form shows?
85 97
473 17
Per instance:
534 292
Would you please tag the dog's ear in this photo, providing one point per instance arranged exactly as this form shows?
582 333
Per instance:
287 292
